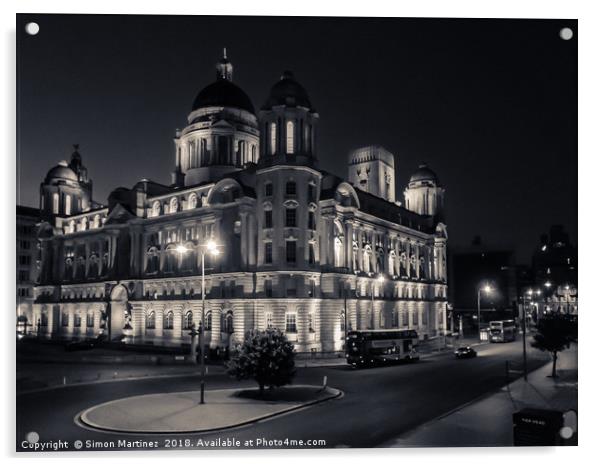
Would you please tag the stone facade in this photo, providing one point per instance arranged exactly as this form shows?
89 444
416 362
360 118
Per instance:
300 249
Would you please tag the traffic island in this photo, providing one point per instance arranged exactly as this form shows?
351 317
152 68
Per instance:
169 413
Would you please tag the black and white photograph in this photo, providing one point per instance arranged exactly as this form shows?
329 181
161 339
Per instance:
288 232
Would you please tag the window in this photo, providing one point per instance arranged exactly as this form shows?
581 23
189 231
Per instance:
65 319
208 321
77 320
291 217
268 288
173 205
342 324
268 219
168 321
291 251
67 204
311 193
24 260
156 210
269 320
311 220
55 203
24 244
90 320
268 253
290 137
338 252
310 322
312 253
187 324
23 275
150 320
291 322
312 288
229 323
152 260
272 138
405 319
192 201
269 189
291 188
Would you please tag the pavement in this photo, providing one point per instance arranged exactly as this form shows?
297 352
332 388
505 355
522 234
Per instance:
180 412
488 421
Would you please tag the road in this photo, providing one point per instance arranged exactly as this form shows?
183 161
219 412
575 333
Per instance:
378 405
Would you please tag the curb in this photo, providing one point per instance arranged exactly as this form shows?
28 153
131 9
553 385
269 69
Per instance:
334 393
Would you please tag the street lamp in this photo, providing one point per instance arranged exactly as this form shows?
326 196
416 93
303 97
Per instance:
487 289
211 248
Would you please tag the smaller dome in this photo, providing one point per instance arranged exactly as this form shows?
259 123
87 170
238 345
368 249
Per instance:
61 172
424 173
287 92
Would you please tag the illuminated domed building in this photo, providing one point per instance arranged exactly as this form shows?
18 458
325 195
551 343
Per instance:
301 249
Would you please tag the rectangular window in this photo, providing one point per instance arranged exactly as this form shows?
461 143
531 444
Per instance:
310 322
312 289
311 220
291 217
311 195
268 253
267 285
24 260
268 219
291 188
291 252
291 323
272 138
290 137
312 254
67 204
269 189
55 203
269 320
23 275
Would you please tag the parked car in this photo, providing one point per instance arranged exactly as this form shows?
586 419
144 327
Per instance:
464 352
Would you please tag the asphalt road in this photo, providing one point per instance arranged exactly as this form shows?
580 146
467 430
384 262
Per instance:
379 403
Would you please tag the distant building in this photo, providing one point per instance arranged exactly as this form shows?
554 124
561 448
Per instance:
27 271
302 249
478 265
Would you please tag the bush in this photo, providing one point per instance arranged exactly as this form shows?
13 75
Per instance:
265 356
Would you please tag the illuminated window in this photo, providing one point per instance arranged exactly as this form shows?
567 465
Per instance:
67 204
150 320
187 324
291 322
338 252
168 321
173 205
272 138
55 203
290 137
192 201
156 210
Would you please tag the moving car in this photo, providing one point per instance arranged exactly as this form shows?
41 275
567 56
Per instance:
465 352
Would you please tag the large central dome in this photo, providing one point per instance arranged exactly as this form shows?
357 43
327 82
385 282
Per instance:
223 93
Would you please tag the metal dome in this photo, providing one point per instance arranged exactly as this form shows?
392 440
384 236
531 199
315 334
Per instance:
424 173
61 172
287 92
223 93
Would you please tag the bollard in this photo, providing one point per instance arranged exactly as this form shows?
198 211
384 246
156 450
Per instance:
324 382
64 380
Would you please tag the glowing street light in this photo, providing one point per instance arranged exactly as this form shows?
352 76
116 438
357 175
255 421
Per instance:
487 289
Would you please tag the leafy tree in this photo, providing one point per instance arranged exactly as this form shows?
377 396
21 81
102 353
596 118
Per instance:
555 333
265 356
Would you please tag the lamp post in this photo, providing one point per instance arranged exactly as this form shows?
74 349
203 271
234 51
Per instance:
486 289
211 248
524 327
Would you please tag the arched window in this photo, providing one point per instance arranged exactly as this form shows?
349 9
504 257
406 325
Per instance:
168 321
290 137
187 324
192 201
150 320
156 209
272 138
171 261
93 266
367 261
391 265
208 321
84 224
96 221
228 326
152 260
173 205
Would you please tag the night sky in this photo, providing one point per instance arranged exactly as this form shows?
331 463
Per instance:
491 105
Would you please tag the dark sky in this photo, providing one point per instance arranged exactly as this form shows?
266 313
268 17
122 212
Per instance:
491 105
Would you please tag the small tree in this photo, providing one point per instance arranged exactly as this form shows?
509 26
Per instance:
265 356
555 333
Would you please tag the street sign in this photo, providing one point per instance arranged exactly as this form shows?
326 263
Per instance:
537 427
